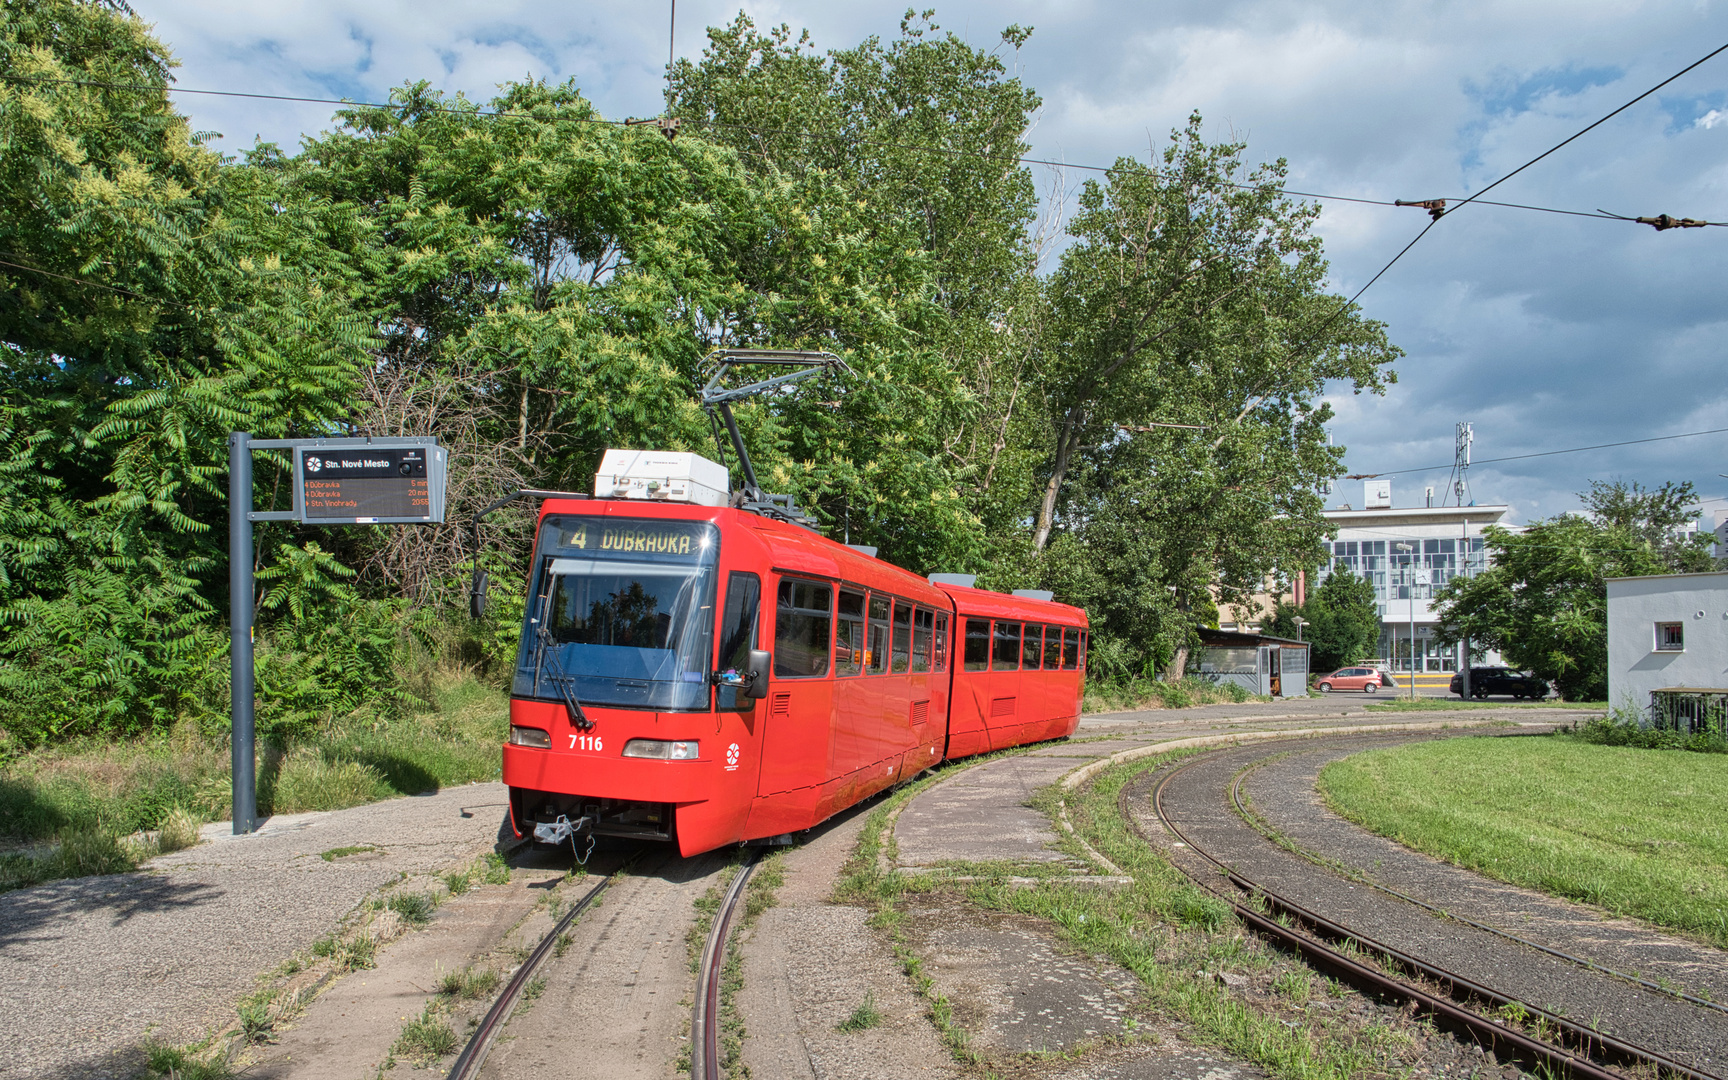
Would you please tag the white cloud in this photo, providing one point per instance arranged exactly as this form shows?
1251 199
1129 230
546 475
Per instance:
1548 330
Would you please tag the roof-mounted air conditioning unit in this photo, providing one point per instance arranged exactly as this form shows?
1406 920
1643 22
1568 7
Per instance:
661 476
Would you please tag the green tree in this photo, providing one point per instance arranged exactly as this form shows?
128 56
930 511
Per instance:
1181 368
1543 601
1343 622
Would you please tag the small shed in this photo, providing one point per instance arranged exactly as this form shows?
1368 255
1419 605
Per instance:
1668 649
1258 663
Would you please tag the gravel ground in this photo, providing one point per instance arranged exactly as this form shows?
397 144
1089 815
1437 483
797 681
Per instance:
1197 801
90 967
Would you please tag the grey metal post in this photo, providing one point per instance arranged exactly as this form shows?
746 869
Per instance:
1464 665
240 629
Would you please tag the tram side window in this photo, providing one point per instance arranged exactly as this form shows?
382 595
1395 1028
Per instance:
1006 655
1084 636
878 654
941 656
902 636
738 633
922 620
1032 645
849 647
977 656
1052 648
1071 650
801 636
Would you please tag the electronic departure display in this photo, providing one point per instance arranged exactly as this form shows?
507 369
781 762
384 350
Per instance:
362 484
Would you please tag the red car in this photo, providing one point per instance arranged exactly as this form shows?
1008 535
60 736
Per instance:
1365 679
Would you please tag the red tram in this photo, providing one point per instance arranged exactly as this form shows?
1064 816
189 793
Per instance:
708 675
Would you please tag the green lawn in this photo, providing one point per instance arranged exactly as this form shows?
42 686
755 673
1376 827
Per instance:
1639 832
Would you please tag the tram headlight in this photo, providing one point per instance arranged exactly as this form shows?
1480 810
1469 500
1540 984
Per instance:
662 749
530 736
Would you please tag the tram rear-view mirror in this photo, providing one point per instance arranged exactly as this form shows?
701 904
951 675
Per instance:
477 594
759 668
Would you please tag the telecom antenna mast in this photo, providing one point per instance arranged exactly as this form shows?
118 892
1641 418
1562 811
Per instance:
717 397
1466 435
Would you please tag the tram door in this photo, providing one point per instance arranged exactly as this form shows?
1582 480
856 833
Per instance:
801 696
1275 670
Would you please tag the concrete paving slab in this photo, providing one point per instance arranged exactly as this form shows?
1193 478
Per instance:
981 814
90 967
1011 988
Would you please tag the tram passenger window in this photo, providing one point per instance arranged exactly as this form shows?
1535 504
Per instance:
878 654
1084 636
738 634
977 656
902 636
1071 650
1052 648
921 623
941 656
1031 646
1006 655
801 627
849 647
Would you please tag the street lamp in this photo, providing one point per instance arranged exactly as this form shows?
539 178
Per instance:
1411 585
1300 623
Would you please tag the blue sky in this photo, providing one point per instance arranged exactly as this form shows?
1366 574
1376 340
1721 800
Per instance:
1546 331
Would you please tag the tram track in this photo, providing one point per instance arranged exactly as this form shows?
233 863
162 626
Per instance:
1575 1049
473 1055
705 1049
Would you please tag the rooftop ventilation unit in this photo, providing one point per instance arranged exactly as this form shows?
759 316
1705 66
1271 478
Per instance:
965 581
660 476
1035 594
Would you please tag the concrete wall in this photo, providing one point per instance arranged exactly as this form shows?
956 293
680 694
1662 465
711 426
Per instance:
1699 602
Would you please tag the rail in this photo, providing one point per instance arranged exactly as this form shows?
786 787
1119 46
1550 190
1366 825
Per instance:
705 1016
480 1043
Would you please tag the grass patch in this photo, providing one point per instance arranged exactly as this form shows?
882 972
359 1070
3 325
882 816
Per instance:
427 1037
1447 704
72 807
471 983
178 1063
343 852
1637 833
416 908
1623 730
864 1017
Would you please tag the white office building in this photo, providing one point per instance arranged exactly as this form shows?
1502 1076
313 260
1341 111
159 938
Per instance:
1408 554
1668 647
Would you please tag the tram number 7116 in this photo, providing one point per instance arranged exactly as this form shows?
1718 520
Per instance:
585 742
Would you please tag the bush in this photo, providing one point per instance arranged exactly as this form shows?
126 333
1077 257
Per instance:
1618 729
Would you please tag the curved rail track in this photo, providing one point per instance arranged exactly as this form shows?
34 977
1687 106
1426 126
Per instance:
705 1015
1579 1051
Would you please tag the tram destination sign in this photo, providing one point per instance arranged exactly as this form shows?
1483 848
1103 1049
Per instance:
369 481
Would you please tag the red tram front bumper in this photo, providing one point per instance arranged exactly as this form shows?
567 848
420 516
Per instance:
701 803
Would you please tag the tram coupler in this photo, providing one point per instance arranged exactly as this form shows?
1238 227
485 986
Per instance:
556 832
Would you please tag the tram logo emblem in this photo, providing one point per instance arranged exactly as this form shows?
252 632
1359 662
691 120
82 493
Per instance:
313 464
732 758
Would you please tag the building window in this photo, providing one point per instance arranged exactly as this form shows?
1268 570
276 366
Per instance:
1670 637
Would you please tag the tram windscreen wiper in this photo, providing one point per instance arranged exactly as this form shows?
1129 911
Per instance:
565 684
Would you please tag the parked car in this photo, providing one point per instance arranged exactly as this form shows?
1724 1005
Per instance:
1365 679
1498 680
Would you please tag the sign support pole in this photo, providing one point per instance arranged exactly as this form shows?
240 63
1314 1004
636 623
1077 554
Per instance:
242 735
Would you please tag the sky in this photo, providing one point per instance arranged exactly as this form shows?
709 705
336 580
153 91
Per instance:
1545 331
